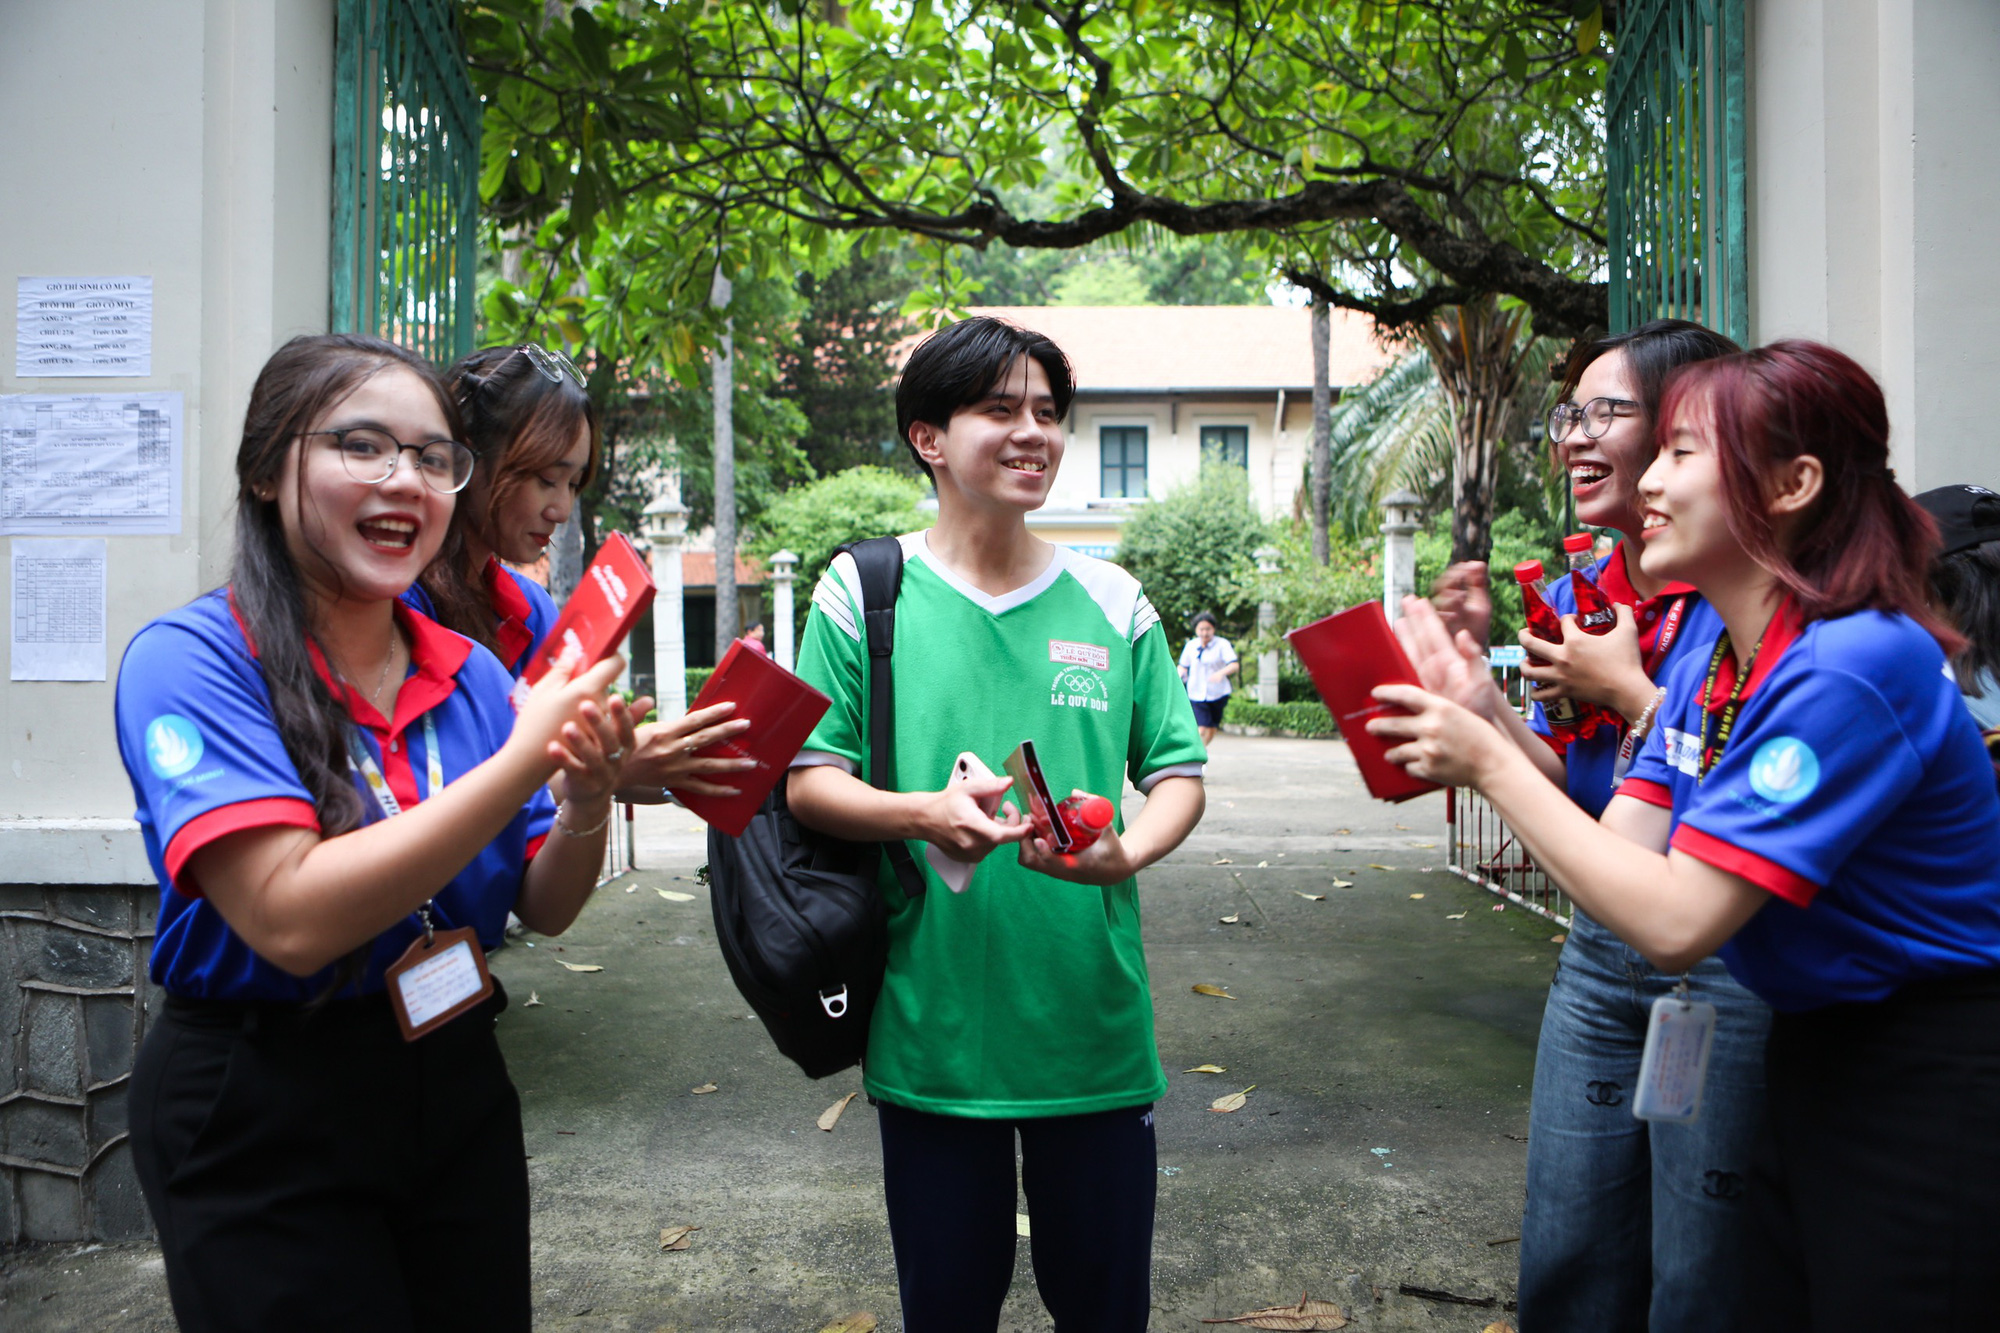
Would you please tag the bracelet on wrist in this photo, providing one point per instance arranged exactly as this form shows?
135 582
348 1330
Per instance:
568 832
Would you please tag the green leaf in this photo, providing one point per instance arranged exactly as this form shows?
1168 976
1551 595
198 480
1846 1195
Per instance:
1514 58
1587 32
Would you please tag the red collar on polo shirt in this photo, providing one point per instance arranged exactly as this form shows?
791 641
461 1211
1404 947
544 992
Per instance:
435 652
1615 579
1785 626
510 604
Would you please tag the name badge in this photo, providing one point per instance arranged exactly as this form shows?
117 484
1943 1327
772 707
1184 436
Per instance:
1675 1063
436 980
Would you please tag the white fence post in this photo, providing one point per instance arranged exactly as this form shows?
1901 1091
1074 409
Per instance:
666 526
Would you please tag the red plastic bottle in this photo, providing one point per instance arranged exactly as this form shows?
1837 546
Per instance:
1593 608
1085 816
1564 715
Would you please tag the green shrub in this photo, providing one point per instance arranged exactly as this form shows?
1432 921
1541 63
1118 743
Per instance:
696 678
1191 550
1307 719
847 506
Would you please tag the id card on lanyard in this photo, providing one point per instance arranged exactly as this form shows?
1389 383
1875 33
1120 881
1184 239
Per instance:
443 972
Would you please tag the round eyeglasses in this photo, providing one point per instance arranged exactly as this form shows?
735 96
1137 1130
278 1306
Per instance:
1596 416
554 365
370 457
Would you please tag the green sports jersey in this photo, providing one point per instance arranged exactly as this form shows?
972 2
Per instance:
1024 995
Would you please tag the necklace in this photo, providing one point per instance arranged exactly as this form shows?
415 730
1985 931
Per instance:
375 695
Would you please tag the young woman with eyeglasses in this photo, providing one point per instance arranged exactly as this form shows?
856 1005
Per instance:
533 430
330 786
1815 803
1627 1225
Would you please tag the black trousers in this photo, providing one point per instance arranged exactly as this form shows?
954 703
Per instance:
1875 1190
1090 1181
320 1173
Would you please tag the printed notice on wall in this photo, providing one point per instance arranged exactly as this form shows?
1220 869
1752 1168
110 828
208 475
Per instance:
83 326
90 462
58 613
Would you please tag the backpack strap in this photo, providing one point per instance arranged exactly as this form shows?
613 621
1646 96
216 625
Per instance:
879 561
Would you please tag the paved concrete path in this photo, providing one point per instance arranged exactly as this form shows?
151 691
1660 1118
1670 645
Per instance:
1389 1029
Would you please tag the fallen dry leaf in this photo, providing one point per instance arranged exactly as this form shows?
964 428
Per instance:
1225 861
1231 919
859 1322
676 1238
1342 883
1262 864
1233 1102
1020 1224
1203 988
1416 895
1206 1069
1342 830
1454 916
1373 866
675 895
1307 1315
706 1087
1557 939
1311 897
533 1000
581 967
1499 907
1498 1326
831 1115
1422 846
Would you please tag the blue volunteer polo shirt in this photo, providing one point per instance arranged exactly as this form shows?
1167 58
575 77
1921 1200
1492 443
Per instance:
203 752
1672 623
523 613
1855 790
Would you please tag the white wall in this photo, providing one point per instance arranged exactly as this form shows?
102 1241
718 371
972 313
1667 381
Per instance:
1875 170
188 141
1173 447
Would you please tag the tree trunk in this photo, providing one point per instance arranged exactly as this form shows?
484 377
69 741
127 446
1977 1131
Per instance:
1322 454
1478 351
723 363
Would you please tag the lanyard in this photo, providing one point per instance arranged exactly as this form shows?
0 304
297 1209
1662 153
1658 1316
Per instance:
1712 747
364 763
1670 627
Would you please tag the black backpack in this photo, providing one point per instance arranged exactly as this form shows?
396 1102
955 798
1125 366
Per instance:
798 913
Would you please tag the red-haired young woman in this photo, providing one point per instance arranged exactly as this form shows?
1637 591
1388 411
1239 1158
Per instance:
1816 804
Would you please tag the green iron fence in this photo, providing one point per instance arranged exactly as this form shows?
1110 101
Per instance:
405 176
1675 123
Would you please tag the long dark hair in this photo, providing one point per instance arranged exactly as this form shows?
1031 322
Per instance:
1652 351
1864 545
517 421
1967 584
303 379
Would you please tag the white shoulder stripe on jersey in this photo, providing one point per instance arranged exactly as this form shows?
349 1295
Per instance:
1144 618
836 596
1114 590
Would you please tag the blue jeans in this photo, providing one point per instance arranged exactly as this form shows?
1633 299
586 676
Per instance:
1633 1225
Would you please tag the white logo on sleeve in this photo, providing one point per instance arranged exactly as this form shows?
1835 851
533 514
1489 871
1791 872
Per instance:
1784 770
173 745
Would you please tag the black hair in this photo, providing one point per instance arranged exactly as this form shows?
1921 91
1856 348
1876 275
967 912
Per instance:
1652 351
1967 584
959 365
297 386
1209 616
517 421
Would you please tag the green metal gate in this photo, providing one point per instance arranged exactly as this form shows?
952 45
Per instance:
405 176
1675 124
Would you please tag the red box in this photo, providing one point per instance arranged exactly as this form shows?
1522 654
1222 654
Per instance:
613 593
782 711
1348 655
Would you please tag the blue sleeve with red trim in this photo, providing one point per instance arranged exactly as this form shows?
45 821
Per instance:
201 747
1818 759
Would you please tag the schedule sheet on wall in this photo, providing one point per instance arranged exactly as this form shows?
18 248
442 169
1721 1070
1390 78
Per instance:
58 613
90 462
83 326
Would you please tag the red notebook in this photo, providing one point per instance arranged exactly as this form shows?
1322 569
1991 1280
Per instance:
782 711
613 593
1347 655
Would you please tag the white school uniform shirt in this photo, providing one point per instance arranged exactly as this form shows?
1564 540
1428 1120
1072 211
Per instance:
1198 662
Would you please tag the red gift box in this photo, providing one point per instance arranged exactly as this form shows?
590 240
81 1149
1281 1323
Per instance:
613 593
1348 655
782 711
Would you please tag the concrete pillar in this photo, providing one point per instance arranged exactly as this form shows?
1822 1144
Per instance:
1399 550
666 526
1267 624
783 565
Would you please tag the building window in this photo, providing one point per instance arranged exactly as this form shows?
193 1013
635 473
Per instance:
1226 444
1124 452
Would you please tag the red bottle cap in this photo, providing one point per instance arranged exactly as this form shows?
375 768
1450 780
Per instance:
1094 811
1528 571
1578 541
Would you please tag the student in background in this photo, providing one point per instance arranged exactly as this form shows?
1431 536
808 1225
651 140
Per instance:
1965 577
1207 663
290 739
1627 1225
1816 802
1020 1006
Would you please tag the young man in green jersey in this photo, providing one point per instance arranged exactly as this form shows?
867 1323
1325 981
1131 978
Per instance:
1020 1005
